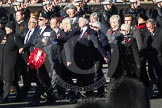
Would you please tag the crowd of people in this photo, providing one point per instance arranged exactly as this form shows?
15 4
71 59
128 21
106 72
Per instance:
77 42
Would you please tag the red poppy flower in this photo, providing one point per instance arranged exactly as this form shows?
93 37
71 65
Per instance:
36 58
127 40
111 32
85 34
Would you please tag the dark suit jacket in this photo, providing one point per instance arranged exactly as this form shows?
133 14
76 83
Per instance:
31 39
105 43
38 38
58 43
37 43
20 28
2 33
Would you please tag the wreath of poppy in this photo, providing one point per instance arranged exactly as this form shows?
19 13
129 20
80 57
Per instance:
36 58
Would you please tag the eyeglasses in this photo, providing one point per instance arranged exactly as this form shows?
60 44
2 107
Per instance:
94 27
122 30
40 19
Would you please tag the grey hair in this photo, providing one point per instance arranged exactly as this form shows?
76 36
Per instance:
115 17
97 24
152 21
82 18
67 21
126 27
94 14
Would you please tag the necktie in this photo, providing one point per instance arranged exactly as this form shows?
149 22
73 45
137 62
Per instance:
39 31
81 32
152 34
27 36
72 21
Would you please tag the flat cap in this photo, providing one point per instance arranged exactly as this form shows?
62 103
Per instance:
44 15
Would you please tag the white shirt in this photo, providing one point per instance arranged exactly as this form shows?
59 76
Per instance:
27 37
56 30
42 29
84 29
73 19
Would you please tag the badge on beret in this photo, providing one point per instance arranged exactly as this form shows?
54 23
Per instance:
40 14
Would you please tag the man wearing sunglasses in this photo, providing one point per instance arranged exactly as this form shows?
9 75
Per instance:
43 79
105 44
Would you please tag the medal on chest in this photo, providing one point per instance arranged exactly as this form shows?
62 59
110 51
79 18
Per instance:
4 40
127 47
128 51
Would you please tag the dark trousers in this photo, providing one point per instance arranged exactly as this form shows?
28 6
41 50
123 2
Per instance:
98 76
65 75
59 69
7 86
159 85
43 85
28 77
86 80
144 76
1 87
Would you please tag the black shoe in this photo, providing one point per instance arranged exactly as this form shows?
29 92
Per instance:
73 98
61 97
32 104
3 101
18 98
100 95
49 102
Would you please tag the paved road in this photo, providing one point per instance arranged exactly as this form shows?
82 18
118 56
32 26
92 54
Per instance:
155 103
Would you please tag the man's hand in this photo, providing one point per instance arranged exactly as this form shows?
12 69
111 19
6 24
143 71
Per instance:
106 59
21 50
68 64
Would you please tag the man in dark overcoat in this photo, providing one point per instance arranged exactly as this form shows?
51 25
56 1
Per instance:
152 48
9 74
2 34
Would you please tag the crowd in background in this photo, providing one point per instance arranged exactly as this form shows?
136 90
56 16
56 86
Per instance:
59 1
77 42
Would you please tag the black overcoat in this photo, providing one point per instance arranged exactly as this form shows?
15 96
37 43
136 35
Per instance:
10 56
152 47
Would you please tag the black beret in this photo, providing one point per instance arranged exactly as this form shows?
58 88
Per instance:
10 25
143 16
44 15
